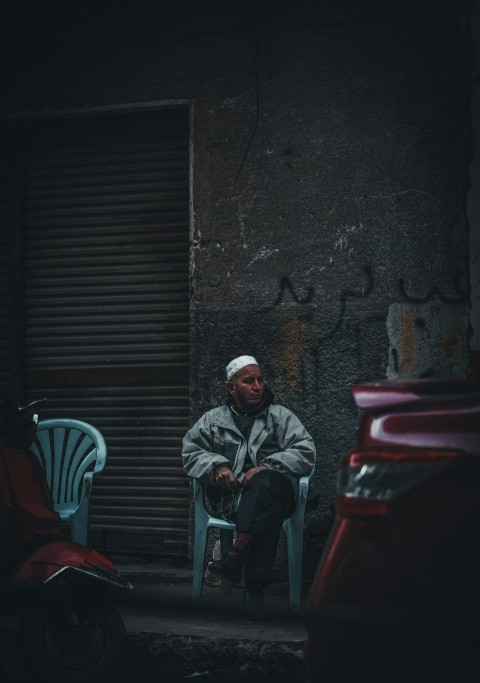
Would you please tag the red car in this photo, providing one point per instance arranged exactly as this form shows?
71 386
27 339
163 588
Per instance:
396 596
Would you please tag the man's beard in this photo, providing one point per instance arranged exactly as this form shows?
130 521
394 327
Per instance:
249 407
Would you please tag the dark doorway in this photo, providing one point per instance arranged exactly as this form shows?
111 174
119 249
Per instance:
101 327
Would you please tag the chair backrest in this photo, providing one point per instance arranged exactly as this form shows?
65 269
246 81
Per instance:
70 451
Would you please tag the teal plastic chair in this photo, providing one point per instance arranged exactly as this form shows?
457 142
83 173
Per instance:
71 452
293 527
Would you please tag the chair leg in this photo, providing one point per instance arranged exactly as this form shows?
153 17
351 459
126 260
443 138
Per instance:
79 526
199 547
226 542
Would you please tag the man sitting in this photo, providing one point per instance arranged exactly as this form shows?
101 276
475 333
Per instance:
250 452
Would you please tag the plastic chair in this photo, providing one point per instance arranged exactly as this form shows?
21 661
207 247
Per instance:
293 527
71 452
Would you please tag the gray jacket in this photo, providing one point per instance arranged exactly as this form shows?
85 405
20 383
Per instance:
278 440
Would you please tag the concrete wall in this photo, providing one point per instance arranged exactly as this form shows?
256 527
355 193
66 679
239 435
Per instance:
329 179
339 255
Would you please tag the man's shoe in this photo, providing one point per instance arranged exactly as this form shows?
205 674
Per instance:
229 567
253 599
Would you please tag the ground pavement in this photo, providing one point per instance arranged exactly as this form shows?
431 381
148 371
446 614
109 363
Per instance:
167 629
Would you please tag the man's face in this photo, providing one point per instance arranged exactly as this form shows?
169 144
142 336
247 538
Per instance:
246 387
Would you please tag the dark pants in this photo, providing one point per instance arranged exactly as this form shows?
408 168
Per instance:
266 501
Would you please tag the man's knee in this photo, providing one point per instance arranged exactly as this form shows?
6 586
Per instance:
263 479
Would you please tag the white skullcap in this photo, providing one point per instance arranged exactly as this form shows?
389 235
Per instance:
238 363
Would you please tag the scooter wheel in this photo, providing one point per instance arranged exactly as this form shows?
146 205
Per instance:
88 651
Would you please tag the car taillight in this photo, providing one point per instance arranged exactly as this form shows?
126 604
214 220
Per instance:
370 480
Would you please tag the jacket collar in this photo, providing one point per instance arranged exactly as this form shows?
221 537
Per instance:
261 410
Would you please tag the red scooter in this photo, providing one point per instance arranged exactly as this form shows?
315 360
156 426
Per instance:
56 592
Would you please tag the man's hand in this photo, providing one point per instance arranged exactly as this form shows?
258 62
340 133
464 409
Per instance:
225 479
252 472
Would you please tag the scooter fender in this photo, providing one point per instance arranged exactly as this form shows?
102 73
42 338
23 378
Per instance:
58 559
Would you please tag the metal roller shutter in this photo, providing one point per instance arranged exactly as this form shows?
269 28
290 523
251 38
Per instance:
107 309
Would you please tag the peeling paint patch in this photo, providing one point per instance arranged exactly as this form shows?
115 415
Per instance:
408 339
291 350
262 254
450 345
427 340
